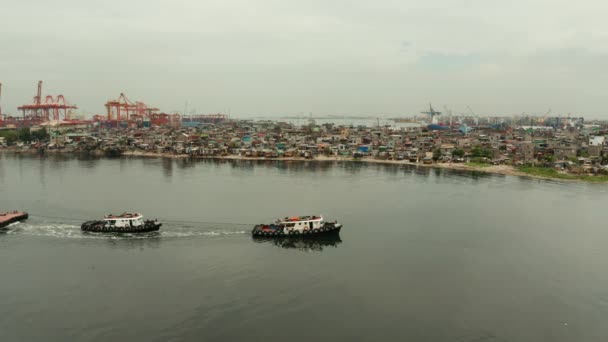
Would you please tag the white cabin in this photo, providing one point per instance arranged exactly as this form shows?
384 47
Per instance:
125 220
301 223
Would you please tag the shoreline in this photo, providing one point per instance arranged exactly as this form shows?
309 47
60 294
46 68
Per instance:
506 170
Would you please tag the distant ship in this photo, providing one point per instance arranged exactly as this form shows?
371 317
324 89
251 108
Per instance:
437 127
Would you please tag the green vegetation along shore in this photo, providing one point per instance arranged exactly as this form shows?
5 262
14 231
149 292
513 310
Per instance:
545 172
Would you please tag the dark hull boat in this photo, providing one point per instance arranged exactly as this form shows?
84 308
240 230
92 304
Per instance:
302 226
125 223
12 217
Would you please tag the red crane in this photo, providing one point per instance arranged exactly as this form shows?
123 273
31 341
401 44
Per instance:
51 109
123 109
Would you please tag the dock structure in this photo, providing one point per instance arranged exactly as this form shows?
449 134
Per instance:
43 109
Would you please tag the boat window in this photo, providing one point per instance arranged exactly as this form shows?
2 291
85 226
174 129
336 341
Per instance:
291 225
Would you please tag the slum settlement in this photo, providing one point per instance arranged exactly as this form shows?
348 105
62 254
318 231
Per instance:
571 147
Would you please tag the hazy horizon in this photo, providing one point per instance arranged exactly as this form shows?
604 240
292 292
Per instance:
285 58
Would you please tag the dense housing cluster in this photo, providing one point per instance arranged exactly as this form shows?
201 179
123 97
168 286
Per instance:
576 148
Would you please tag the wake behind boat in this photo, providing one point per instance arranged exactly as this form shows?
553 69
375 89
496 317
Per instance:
297 226
124 223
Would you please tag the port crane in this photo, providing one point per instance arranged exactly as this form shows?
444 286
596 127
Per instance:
474 116
53 108
432 113
122 109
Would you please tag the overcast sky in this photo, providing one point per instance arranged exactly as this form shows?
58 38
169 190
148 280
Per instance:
284 57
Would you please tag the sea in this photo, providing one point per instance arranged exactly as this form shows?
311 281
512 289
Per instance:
425 254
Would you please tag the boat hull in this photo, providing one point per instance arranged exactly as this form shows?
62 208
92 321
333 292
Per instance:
102 227
328 229
8 218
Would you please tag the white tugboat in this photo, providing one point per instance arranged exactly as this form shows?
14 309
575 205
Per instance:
124 223
297 226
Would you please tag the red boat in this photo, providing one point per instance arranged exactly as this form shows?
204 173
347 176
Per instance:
12 217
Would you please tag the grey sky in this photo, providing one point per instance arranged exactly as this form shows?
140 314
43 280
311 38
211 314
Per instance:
274 57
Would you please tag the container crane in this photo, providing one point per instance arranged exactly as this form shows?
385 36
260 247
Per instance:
449 113
122 109
432 113
473 115
51 109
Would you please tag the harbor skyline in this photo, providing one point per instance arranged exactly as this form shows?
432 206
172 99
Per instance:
278 58
66 110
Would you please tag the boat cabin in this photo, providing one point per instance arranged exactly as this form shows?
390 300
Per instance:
125 220
301 223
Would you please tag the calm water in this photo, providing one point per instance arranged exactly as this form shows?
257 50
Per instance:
425 255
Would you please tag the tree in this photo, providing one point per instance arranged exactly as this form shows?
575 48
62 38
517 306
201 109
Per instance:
24 134
459 153
436 154
480 152
42 134
11 136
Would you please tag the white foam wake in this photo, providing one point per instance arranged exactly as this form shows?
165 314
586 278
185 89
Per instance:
66 231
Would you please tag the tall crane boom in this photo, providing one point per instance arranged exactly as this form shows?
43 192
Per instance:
431 111
38 98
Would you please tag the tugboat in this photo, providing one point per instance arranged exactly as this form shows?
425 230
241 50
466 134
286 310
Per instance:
124 223
297 226
12 217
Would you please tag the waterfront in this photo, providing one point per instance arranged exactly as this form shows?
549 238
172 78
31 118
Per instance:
574 152
425 255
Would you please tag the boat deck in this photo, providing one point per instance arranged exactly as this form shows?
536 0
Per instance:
8 218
